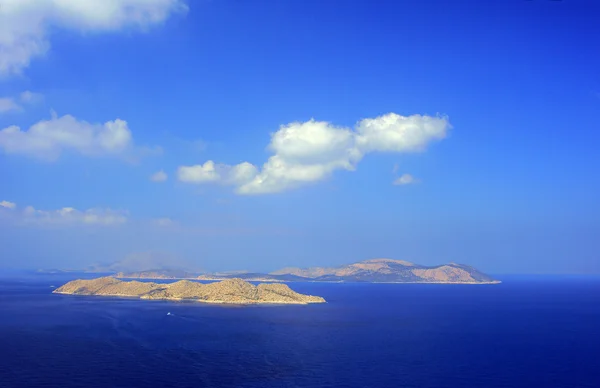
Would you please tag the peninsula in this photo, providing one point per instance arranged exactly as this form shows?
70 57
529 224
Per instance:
230 291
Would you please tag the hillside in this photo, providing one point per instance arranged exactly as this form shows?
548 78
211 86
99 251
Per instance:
394 271
373 270
231 291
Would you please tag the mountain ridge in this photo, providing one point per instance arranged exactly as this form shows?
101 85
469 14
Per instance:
379 270
393 271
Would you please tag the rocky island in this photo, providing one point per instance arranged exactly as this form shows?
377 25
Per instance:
230 291
391 271
369 271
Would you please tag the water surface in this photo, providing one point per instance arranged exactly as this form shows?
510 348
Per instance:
525 332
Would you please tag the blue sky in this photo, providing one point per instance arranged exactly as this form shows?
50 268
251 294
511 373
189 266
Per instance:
429 131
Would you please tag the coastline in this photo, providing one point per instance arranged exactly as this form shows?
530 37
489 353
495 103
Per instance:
135 297
306 281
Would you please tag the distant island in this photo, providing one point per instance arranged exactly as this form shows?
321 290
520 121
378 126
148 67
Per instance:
371 271
230 291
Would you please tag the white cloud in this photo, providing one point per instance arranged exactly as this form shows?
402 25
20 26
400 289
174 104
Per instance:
66 216
159 176
221 173
25 24
8 205
8 104
29 97
70 216
405 179
47 139
314 142
239 174
395 133
311 151
304 152
163 222
198 173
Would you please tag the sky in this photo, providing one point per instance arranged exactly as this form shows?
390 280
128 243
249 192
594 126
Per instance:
258 134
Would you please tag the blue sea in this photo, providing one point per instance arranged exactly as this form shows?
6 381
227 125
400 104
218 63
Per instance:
526 332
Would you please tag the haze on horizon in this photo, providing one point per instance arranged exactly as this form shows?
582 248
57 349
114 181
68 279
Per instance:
229 135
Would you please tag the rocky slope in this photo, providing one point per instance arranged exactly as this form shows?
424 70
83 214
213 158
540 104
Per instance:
388 270
233 291
374 271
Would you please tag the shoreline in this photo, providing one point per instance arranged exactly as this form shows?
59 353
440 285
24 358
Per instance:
307 281
135 297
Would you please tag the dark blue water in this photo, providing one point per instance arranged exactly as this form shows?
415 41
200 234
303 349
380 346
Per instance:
526 332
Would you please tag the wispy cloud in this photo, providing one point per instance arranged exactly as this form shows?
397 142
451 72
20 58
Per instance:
25 25
8 205
164 222
14 104
29 97
311 151
8 104
111 219
159 176
197 145
405 179
63 216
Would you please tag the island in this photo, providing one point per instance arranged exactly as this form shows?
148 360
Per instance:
370 271
391 271
230 291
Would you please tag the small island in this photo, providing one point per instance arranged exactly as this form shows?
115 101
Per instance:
230 291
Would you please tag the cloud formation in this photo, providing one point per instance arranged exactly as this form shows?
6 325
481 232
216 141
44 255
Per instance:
405 179
29 97
159 176
47 139
208 172
12 104
311 151
64 216
164 222
25 25
8 104
7 204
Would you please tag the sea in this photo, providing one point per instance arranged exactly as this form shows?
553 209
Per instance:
529 331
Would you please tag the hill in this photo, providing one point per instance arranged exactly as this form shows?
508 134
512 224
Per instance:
373 271
231 291
393 271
